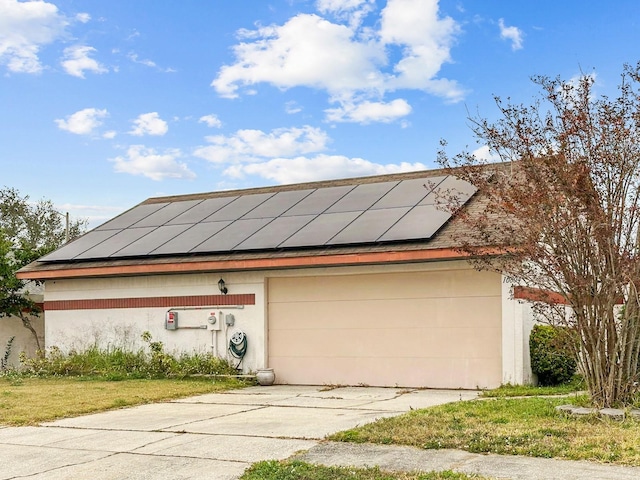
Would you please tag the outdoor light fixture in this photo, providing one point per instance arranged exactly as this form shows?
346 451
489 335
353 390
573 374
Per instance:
222 287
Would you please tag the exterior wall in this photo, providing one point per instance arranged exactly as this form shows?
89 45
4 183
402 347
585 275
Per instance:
517 323
77 328
123 327
23 342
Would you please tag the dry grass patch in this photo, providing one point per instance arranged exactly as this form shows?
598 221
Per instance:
28 401
528 426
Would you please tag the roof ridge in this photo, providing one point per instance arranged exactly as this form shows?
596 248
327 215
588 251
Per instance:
299 186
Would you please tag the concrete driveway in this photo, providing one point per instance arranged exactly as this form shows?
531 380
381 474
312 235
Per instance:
208 436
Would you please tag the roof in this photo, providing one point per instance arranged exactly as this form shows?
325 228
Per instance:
379 219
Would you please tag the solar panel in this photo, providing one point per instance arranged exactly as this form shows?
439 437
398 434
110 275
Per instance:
278 204
369 226
361 197
239 207
201 211
227 238
275 232
132 216
361 213
420 223
87 241
407 193
190 238
163 215
453 187
318 201
115 243
320 230
151 241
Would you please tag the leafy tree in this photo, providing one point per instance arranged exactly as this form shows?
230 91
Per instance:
28 230
561 207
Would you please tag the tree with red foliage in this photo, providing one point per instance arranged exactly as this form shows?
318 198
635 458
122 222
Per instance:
560 201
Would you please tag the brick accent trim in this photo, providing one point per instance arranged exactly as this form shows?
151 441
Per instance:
538 295
148 302
39 306
546 296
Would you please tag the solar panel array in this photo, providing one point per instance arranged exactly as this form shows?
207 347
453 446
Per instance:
316 217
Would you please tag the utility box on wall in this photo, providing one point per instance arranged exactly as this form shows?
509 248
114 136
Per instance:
215 321
171 320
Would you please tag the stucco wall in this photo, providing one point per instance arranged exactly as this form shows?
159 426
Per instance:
24 341
124 326
517 323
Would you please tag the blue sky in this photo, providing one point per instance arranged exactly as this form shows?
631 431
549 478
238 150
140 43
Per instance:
104 104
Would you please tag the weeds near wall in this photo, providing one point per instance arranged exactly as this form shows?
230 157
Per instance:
4 361
118 363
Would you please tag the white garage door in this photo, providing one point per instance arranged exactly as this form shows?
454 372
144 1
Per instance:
439 329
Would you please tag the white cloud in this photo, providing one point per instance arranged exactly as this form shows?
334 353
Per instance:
144 161
427 40
351 62
485 153
25 27
250 145
570 89
95 214
367 112
109 134
76 61
211 121
83 17
306 51
292 107
514 34
321 167
83 122
147 63
135 58
354 11
149 124
336 6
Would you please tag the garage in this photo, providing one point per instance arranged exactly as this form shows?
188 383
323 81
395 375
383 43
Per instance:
439 329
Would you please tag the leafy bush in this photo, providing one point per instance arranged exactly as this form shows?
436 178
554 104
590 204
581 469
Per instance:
552 358
116 363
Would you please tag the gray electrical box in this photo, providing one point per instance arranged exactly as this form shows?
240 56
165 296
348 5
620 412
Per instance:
171 320
229 319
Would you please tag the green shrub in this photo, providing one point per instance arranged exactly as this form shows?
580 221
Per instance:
552 358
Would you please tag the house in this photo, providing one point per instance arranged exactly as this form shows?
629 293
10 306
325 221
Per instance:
354 281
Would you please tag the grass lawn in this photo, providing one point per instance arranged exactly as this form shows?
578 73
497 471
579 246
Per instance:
28 401
533 391
296 470
522 426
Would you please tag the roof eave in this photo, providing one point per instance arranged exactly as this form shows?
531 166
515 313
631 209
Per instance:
264 263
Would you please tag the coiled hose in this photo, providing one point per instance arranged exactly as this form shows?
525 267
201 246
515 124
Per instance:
238 346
